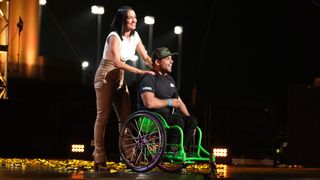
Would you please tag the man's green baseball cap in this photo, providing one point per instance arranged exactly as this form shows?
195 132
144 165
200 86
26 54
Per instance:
161 52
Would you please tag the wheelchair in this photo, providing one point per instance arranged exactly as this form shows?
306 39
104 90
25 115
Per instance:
143 145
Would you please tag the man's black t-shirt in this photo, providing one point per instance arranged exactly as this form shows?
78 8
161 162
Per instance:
163 86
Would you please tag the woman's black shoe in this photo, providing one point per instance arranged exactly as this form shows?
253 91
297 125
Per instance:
101 166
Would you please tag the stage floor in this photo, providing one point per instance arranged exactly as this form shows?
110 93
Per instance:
8 172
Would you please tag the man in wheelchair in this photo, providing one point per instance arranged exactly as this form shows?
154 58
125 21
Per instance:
158 93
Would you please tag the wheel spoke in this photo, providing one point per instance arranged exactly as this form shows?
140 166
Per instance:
141 142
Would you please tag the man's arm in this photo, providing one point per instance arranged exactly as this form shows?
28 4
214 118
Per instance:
183 108
151 102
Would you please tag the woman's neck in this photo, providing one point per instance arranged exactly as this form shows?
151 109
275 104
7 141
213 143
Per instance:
127 34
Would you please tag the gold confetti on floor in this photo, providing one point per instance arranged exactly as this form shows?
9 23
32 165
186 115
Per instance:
61 165
74 165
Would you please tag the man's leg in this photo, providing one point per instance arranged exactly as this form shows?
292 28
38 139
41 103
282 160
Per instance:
173 135
191 124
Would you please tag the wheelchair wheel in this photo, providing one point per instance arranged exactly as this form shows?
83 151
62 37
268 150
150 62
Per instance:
142 141
169 167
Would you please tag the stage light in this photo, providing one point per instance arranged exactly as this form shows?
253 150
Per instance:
77 148
95 9
99 11
42 2
85 65
220 152
178 29
149 20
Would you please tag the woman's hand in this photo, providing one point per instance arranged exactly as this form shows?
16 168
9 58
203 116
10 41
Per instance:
147 72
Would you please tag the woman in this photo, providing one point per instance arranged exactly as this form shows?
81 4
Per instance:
111 89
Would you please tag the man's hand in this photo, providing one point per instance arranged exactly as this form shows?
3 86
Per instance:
175 103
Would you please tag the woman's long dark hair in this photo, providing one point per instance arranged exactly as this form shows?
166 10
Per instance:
120 20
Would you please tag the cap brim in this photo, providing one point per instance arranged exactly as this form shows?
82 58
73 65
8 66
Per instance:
174 53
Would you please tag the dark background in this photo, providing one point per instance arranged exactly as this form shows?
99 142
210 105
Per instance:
239 61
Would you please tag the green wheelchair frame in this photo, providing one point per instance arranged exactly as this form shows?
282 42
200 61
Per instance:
143 145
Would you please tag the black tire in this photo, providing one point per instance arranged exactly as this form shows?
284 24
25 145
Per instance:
142 141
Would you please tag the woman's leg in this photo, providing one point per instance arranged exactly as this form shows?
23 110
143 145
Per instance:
104 105
122 105
122 108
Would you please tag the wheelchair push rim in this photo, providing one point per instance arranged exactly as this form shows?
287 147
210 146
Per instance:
142 141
